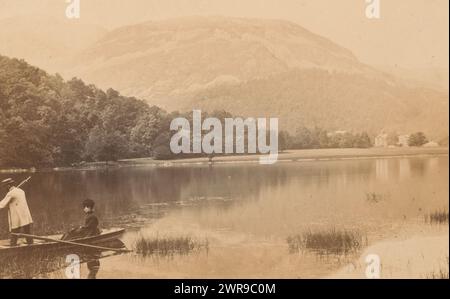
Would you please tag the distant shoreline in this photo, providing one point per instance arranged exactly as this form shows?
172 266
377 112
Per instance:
287 156
300 156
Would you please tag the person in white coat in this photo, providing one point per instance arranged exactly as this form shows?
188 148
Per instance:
19 215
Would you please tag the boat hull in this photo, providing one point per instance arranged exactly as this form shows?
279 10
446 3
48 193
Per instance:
108 238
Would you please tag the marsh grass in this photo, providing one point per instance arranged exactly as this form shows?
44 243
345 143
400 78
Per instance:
442 273
373 197
437 217
167 246
335 242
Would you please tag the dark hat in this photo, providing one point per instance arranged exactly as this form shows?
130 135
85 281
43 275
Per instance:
88 203
7 181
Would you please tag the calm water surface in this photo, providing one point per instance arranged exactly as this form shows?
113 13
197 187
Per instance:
245 211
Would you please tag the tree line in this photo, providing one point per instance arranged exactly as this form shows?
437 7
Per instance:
317 138
46 121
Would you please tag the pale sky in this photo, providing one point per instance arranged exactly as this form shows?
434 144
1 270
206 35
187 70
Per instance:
410 33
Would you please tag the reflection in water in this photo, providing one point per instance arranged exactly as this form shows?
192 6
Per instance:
433 162
41 264
382 169
55 197
93 266
132 195
419 166
405 169
243 206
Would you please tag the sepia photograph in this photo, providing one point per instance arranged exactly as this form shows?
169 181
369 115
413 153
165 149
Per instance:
224 139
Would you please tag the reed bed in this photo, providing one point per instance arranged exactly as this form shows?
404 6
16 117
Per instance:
442 273
337 242
437 217
374 197
167 246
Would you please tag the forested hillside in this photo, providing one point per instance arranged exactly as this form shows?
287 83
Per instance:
334 101
256 67
47 121
248 67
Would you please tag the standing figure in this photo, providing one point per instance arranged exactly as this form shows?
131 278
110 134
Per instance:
19 216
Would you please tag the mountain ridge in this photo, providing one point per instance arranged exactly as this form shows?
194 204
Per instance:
157 59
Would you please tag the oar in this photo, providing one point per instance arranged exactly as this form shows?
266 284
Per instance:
70 243
23 182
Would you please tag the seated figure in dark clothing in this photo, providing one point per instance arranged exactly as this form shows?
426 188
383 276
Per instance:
90 227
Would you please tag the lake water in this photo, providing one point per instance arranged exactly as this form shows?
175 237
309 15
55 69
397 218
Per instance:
244 211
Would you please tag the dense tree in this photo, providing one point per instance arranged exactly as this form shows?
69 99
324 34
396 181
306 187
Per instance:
417 139
392 138
303 139
162 149
284 141
363 141
46 121
319 138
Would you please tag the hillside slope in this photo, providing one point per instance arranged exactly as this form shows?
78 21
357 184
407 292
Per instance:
155 60
334 101
46 121
250 67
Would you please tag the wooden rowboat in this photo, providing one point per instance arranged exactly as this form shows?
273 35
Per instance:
108 238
